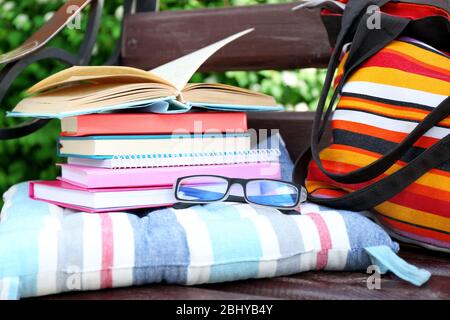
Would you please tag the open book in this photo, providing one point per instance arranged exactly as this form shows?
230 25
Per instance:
165 89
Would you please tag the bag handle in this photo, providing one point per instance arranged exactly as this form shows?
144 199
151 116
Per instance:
382 164
363 46
365 43
388 187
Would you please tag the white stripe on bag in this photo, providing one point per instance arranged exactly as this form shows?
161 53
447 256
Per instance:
386 123
394 93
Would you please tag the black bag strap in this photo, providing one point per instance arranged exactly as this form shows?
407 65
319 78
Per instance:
363 46
365 43
388 187
301 165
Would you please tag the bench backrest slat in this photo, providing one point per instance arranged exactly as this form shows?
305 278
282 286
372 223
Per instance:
282 39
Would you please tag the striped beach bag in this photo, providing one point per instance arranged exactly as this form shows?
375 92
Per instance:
390 148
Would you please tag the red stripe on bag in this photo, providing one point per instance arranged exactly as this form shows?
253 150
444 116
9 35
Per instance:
413 11
392 59
406 10
341 167
388 135
406 198
416 230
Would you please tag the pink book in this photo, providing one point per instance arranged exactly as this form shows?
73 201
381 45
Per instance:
100 200
92 177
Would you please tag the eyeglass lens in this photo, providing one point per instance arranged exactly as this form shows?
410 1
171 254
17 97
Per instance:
202 188
272 193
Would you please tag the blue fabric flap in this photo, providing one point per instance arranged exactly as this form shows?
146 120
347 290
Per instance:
387 260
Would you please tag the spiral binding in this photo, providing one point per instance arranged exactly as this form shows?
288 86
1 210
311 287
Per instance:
180 159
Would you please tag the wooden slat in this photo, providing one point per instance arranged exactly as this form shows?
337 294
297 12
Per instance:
438 263
294 127
352 285
335 286
282 39
154 292
304 286
308 285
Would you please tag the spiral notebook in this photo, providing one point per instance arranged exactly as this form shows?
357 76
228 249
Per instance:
178 159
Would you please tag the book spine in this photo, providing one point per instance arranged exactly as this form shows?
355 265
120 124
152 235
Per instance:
172 160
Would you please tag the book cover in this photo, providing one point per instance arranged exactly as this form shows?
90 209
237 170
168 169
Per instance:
90 177
74 197
108 146
150 123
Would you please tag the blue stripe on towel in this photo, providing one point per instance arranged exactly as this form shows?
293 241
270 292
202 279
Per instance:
286 230
244 247
22 258
70 251
155 233
363 233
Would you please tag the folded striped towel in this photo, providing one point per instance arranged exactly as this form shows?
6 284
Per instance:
45 249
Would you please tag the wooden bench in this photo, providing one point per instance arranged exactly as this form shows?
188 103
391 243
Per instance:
282 40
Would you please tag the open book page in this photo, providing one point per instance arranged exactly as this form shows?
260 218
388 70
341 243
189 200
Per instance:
100 92
92 74
216 93
88 89
87 96
175 73
178 72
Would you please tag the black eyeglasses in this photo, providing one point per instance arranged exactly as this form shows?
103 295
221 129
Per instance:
199 189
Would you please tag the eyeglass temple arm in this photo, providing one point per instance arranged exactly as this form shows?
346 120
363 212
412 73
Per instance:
185 205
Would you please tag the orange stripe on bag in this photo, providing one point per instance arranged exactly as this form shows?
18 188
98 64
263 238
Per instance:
436 208
394 224
393 136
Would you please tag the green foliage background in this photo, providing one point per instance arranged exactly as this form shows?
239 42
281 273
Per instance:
34 156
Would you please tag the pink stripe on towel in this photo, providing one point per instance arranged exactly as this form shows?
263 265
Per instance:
325 240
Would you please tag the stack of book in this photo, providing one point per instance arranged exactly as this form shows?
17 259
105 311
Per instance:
129 134
128 161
